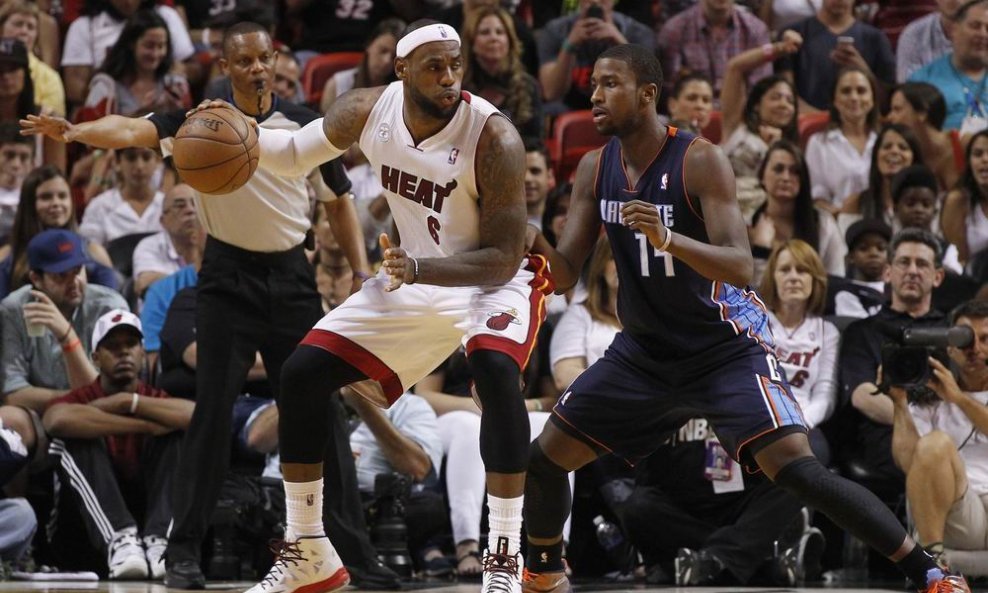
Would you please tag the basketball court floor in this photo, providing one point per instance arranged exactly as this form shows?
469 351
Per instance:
590 587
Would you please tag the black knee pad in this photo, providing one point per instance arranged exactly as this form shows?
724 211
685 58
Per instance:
848 504
504 429
308 378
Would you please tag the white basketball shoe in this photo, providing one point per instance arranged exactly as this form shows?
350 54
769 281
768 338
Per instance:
306 565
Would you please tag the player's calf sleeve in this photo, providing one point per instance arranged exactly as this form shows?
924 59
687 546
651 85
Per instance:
547 504
849 505
504 429
308 378
547 495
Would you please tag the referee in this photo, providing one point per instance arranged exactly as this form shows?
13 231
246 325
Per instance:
256 293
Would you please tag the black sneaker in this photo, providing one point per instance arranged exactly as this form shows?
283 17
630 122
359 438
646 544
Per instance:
184 574
697 567
800 563
375 576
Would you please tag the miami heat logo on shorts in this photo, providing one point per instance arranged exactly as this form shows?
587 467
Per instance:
499 320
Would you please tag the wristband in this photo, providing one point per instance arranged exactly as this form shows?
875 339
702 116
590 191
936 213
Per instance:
665 244
415 270
72 346
133 403
768 50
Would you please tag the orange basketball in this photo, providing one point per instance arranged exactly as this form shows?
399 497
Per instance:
216 150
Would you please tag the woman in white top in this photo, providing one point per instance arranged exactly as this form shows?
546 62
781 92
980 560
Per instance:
839 157
789 212
896 148
795 291
754 118
376 69
964 219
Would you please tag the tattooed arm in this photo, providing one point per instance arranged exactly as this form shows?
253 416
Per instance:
500 172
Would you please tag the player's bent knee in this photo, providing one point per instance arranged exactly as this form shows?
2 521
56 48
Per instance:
540 464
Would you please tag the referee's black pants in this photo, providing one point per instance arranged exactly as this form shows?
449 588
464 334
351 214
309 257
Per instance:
252 302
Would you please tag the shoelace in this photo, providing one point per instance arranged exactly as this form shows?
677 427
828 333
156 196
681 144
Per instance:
949 584
285 553
503 570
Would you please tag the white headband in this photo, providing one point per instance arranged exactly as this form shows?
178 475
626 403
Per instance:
426 34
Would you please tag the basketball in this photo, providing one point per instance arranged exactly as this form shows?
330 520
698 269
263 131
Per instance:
216 150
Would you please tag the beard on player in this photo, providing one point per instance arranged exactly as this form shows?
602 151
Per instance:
442 107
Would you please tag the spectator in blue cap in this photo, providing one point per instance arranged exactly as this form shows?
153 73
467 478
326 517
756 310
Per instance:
47 325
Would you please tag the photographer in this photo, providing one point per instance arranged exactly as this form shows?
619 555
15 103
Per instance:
941 445
865 434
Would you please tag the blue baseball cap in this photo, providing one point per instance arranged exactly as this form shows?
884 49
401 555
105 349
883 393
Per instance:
55 251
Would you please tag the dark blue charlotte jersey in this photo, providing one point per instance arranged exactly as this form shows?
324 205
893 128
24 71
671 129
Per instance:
672 311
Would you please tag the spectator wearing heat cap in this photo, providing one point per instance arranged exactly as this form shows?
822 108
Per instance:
115 435
46 325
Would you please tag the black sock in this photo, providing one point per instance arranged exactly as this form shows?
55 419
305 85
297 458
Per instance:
920 567
545 558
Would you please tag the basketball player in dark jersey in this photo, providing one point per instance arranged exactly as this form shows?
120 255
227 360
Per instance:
695 340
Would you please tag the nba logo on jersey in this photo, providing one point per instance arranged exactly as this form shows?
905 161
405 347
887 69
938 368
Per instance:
455 152
665 181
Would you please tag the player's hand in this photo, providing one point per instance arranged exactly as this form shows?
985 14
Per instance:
211 104
54 127
945 385
44 311
396 264
644 217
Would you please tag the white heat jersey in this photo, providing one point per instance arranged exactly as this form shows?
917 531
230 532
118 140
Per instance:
430 187
808 354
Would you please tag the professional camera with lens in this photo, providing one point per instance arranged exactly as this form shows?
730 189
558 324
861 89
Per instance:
388 529
904 358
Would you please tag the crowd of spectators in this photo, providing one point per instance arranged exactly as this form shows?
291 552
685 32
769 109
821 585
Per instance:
859 143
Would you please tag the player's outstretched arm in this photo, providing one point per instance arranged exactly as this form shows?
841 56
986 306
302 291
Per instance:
112 131
295 153
581 231
727 258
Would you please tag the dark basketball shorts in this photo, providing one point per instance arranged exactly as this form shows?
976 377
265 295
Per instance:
628 403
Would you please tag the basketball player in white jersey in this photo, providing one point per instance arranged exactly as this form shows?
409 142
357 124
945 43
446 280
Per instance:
453 172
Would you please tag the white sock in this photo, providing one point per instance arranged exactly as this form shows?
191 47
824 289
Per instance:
505 524
303 502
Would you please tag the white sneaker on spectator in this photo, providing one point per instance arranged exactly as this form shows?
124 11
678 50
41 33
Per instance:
308 564
154 547
126 556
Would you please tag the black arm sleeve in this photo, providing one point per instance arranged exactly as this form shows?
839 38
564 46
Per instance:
335 176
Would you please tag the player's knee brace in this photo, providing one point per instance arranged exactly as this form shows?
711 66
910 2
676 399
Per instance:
547 495
847 503
504 429
308 378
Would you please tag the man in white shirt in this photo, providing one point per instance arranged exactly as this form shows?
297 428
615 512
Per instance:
925 39
133 206
942 445
178 245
